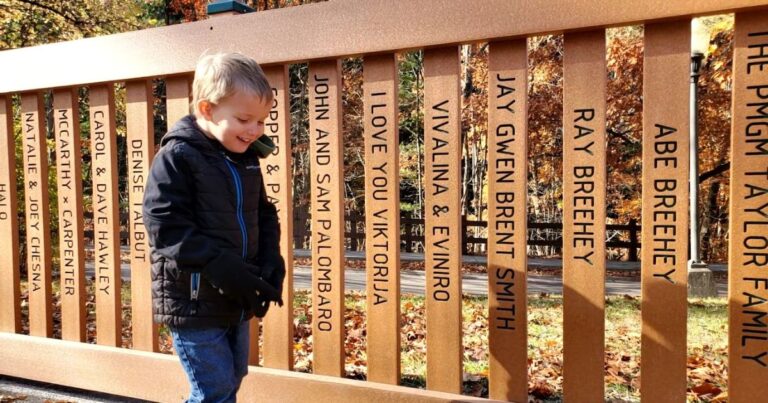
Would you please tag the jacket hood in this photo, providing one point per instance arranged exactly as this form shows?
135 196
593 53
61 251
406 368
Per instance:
188 131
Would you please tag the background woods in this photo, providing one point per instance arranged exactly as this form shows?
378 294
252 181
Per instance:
31 22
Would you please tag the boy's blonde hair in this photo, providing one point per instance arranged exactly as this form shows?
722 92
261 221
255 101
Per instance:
219 75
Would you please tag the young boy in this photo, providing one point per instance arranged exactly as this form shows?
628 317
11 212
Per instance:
214 237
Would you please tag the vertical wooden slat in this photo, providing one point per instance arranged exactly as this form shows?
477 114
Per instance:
10 304
584 216
141 149
507 226
382 218
666 84
177 100
327 217
38 214
106 225
442 140
66 115
253 342
278 324
748 246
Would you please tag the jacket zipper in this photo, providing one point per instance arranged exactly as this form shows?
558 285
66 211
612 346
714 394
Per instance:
239 192
240 219
195 280
195 286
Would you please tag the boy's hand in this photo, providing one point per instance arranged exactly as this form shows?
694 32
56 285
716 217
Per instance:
239 282
259 306
273 271
259 301
266 292
231 280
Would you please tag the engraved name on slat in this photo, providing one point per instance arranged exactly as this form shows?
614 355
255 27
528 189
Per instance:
327 217
666 88
38 215
382 206
442 142
71 244
748 246
106 228
507 233
10 306
278 325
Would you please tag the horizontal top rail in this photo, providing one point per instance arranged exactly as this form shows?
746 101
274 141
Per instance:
339 28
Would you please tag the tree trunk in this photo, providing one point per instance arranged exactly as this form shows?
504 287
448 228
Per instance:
709 211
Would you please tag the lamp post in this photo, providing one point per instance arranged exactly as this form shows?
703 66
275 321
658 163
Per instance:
700 280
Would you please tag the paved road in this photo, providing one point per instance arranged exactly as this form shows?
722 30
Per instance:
412 282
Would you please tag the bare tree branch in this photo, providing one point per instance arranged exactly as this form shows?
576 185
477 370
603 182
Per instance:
622 135
716 171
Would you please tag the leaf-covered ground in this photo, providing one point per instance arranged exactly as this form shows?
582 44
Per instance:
707 343
706 352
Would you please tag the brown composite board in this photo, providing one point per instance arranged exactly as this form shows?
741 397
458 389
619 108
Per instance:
141 151
36 200
584 178
442 226
66 120
327 30
106 219
177 102
666 88
382 217
276 171
748 229
10 288
507 197
327 205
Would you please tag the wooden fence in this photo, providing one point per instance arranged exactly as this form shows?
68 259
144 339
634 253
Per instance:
622 236
322 34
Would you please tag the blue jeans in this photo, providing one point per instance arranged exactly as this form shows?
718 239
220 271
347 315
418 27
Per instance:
215 360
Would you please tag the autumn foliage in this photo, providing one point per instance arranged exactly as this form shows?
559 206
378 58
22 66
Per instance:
22 21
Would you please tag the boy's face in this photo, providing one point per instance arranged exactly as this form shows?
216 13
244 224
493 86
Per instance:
236 121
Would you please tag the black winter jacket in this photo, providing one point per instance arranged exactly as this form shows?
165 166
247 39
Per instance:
205 208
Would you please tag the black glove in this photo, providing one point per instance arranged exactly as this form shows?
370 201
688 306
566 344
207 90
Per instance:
259 306
259 301
239 281
265 291
273 272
